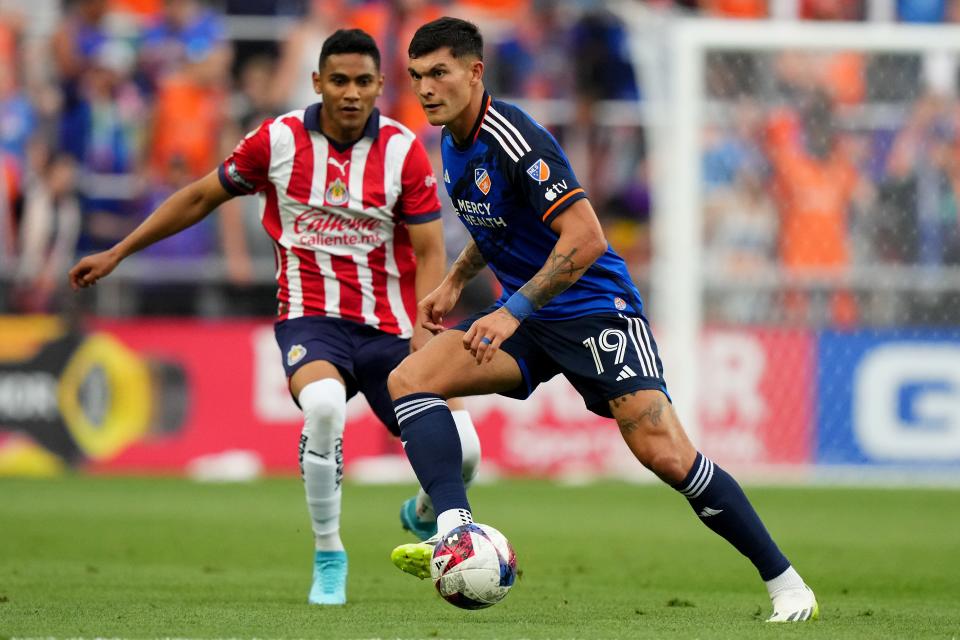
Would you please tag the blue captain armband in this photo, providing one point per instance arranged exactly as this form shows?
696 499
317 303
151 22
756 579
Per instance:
519 306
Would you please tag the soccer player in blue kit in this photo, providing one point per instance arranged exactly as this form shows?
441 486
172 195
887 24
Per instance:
568 306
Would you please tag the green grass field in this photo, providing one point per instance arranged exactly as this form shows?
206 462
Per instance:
147 558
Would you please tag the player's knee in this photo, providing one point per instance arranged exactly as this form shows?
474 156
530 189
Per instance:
324 406
668 465
403 381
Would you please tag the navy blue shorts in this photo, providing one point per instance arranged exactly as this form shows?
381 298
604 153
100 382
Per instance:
603 357
364 356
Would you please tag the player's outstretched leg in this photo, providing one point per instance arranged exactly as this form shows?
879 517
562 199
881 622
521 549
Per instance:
720 503
321 465
417 514
654 434
432 445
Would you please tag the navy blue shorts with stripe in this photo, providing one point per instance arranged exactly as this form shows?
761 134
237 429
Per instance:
365 356
603 356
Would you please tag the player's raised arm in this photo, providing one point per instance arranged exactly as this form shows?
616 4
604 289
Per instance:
184 208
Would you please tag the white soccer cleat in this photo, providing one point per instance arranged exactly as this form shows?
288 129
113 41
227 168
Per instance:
794 605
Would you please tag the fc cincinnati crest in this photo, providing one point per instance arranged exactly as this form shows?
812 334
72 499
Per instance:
296 354
337 193
539 171
482 178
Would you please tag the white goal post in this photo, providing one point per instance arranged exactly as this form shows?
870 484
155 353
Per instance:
670 55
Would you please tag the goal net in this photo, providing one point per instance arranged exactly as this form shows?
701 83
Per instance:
805 279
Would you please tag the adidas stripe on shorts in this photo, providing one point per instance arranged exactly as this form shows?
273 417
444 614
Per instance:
603 356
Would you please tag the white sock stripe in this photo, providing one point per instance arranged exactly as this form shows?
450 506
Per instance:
696 477
706 481
706 472
403 413
648 357
417 401
636 345
652 354
413 404
420 410
496 115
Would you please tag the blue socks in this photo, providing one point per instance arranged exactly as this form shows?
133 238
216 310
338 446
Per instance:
721 504
432 445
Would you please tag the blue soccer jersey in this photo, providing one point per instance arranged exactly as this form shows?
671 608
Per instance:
507 185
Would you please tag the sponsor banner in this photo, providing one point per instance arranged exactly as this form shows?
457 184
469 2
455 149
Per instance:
889 397
211 399
756 396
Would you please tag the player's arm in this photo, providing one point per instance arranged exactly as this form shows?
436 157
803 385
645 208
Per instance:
183 209
580 243
427 241
441 300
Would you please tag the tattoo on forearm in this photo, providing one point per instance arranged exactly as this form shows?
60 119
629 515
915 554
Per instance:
470 262
557 274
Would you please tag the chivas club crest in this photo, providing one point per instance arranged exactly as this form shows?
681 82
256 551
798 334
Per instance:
295 354
482 178
337 193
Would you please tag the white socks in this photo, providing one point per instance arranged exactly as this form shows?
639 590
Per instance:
324 406
470 444
453 518
787 580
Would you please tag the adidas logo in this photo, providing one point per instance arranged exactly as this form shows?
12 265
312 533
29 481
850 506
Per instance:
446 176
625 373
707 512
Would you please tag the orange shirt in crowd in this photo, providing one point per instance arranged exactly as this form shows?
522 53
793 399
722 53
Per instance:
143 9
186 125
813 196
738 8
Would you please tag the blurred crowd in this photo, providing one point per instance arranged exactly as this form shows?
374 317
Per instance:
108 106
831 171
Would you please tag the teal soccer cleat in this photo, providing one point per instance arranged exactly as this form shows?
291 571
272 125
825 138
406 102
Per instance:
413 524
329 578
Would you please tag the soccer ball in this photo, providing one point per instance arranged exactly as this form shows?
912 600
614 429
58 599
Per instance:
473 566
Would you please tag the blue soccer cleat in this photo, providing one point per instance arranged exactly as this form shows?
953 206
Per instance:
329 578
413 524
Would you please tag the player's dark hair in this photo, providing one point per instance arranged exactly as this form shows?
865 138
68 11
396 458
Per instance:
350 41
462 37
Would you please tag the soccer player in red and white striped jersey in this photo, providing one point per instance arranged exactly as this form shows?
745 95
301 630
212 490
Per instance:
350 201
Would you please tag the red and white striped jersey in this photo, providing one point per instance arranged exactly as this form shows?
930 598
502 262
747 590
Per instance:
338 215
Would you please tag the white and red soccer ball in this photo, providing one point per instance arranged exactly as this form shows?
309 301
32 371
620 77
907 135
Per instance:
473 566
